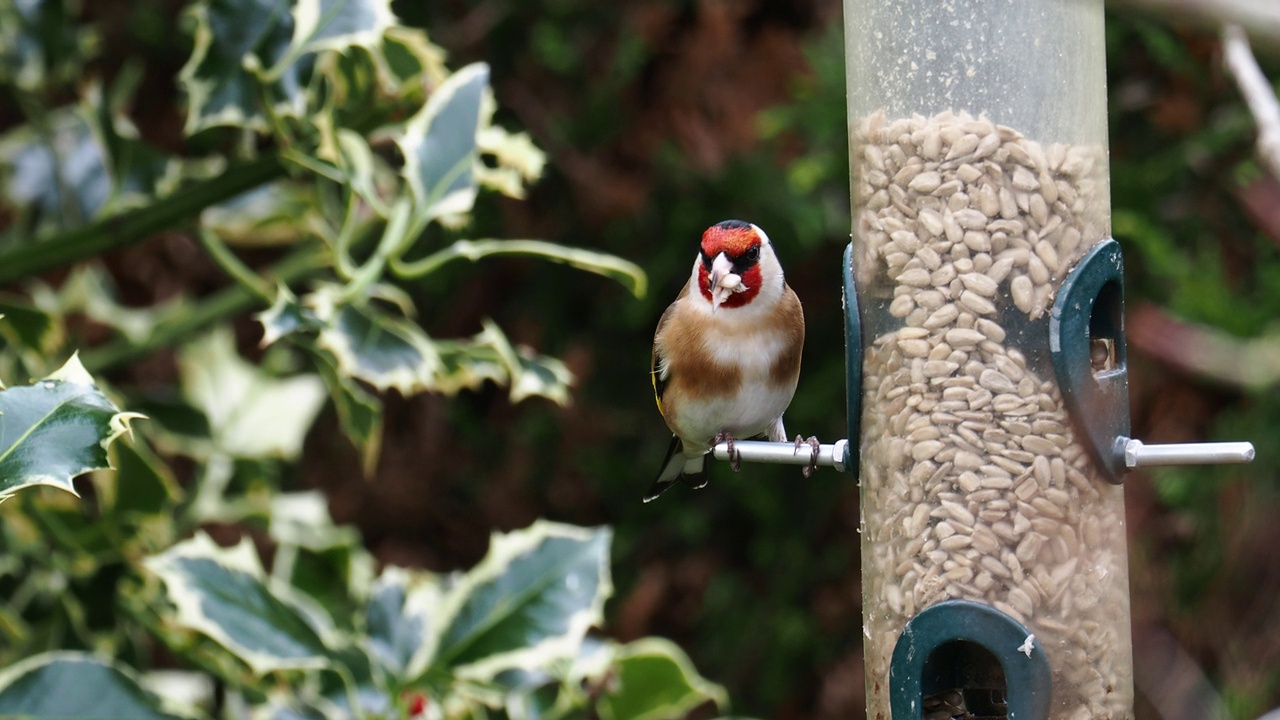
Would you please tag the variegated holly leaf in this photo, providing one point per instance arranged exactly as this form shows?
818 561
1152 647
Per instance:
142 484
40 44
56 429
26 326
367 174
222 593
89 289
234 40
376 347
401 618
325 561
250 413
61 175
517 161
339 24
268 215
490 356
530 601
530 374
359 412
86 162
439 145
77 685
653 679
627 273
407 58
285 317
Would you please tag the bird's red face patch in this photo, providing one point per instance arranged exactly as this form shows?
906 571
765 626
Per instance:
740 242
750 278
732 240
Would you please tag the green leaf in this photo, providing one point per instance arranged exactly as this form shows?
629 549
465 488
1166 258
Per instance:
251 414
339 24
76 685
370 345
233 39
222 593
529 602
398 618
439 145
654 680
56 429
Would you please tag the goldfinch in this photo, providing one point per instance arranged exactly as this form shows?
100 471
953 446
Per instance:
726 354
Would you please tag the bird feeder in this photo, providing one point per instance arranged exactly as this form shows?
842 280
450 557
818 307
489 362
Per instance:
987 376
984 300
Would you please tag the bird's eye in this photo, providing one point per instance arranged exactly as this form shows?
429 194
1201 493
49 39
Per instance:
752 254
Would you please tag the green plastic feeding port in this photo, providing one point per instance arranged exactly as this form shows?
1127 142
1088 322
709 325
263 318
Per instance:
966 659
1086 344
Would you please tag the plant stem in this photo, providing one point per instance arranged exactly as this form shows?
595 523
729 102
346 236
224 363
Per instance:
221 305
231 265
22 261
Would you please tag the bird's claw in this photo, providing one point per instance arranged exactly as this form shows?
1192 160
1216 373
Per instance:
814 448
735 458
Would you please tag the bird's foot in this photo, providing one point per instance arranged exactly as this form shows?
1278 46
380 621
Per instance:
814 448
735 459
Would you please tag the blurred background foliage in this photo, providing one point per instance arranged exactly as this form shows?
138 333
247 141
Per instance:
661 117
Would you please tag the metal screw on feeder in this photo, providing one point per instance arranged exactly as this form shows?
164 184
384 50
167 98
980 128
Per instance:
987 379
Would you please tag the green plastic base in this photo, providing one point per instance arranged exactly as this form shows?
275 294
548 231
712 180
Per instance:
966 645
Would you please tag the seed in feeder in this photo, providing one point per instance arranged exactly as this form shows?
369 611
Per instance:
1037 445
986 146
942 317
968 173
976 303
1022 293
915 277
963 146
901 306
925 182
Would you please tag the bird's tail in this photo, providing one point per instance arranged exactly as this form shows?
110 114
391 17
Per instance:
675 466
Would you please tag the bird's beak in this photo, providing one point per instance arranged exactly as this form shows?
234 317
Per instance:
724 281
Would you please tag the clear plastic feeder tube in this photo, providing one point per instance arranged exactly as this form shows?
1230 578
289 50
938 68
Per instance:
977 133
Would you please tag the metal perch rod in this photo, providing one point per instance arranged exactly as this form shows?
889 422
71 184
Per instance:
1137 454
784 453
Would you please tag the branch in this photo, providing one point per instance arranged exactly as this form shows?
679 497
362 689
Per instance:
1257 92
1261 17
1246 363
22 261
